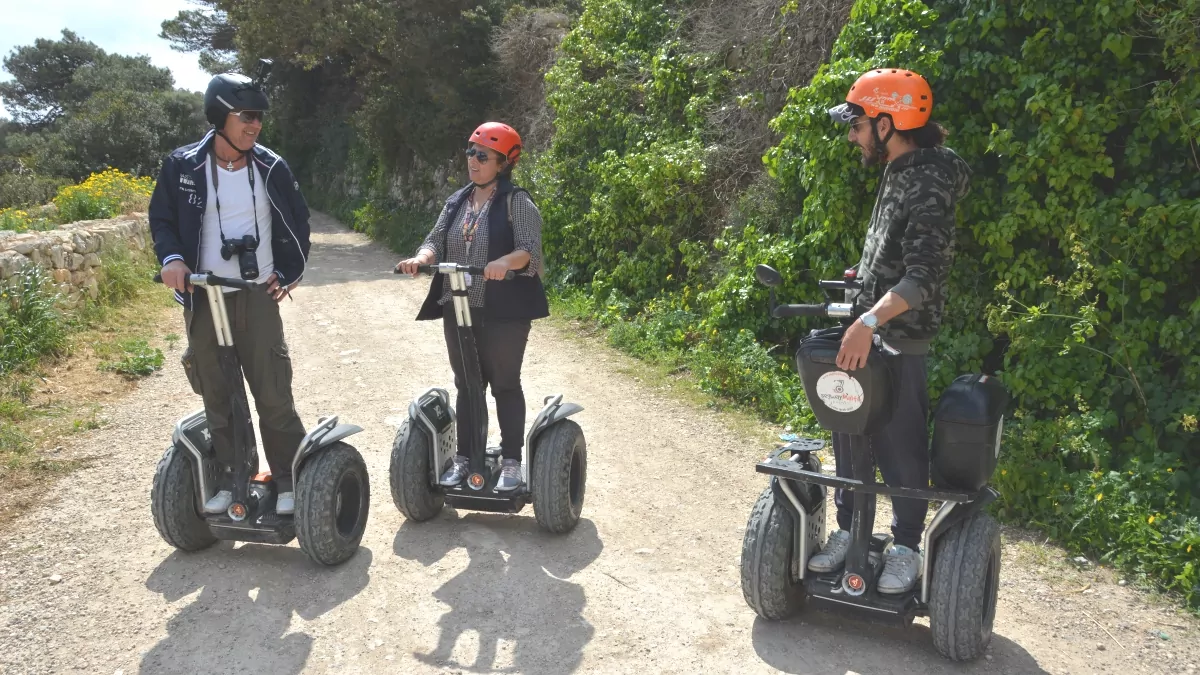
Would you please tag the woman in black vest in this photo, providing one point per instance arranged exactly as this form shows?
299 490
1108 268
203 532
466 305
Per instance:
494 224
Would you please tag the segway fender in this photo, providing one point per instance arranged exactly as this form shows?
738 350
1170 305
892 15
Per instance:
946 517
326 433
554 411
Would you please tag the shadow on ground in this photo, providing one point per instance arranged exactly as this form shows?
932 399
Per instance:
823 643
514 589
239 620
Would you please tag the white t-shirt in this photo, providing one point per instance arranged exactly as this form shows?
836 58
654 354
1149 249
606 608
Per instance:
236 220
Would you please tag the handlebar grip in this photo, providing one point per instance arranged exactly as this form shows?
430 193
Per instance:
157 277
214 280
782 311
434 269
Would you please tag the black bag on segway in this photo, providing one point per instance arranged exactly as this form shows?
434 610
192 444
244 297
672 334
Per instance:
967 426
857 403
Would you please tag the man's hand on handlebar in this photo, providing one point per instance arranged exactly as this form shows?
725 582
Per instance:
410 265
175 275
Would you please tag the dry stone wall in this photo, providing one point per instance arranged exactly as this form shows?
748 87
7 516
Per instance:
72 254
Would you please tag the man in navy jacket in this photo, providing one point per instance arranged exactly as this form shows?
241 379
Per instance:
228 206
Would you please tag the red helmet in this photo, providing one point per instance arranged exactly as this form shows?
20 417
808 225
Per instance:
499 137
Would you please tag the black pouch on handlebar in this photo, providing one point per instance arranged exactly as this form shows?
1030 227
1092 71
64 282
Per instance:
858 402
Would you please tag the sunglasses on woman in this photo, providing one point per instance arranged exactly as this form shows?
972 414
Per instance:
480 155
248 116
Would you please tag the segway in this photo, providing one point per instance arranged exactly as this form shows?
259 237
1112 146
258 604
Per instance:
331 486
554 467
960 575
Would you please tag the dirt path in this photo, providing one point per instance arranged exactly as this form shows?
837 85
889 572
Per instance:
648 583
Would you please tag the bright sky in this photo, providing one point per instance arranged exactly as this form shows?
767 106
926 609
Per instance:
127 27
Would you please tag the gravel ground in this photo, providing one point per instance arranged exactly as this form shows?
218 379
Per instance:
648 582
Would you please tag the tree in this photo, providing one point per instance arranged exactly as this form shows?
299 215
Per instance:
206 31
41 73
78 109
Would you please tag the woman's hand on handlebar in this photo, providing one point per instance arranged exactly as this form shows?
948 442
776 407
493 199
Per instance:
410 265
495 270
175 275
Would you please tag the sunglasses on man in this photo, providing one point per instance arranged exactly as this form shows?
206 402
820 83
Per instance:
248 116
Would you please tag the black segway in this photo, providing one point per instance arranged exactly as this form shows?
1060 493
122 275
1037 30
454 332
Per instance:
554 468
331 486
961 569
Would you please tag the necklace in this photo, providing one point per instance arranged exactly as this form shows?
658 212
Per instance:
228 162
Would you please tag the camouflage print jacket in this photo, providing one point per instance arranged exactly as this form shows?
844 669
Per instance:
910 242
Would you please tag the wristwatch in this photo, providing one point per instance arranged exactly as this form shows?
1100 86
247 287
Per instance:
870 321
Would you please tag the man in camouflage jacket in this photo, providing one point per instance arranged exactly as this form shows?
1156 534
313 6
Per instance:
905 262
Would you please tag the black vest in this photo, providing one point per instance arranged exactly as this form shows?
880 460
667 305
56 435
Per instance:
522 297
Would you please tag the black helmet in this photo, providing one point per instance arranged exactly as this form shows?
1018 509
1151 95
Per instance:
232 91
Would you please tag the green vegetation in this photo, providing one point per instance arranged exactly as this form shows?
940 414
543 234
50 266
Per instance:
78 110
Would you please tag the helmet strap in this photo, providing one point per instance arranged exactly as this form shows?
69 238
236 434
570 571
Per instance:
880 143
221 133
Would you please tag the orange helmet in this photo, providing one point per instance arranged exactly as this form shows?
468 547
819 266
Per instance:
903 94
499 137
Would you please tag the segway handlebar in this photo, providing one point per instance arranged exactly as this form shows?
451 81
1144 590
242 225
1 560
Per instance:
450 268
208 280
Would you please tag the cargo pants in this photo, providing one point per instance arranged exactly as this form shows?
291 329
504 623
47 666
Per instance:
262 350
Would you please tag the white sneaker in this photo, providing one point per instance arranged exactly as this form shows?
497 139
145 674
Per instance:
219 503
285 505
901 567
833 554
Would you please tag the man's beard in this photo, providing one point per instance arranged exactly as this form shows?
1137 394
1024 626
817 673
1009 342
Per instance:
871 156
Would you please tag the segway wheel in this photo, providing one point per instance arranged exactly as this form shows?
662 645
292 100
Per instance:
409 474
332 503
966 578
767 550
559 476
173 503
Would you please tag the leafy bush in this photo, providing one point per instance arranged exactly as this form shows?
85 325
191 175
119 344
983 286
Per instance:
103 195
138 359
21 220
20 190
31 326
1078 252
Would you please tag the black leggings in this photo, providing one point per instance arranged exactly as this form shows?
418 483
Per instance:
501 347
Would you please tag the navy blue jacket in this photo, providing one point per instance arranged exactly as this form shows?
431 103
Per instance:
181 195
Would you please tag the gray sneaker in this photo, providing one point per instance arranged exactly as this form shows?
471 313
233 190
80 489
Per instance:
456 473
219 503
285 505
833 554
901 566
510 475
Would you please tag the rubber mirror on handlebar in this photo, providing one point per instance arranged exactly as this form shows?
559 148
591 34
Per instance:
768 276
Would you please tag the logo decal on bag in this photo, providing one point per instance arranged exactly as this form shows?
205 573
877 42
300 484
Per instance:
839 391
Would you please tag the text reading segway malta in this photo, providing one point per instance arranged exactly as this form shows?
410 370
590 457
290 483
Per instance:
961 569
555 468
333 493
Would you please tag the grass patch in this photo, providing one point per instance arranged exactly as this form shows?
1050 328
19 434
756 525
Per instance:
59 362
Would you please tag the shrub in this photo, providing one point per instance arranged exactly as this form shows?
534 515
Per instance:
31 326
103 195
1078 266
